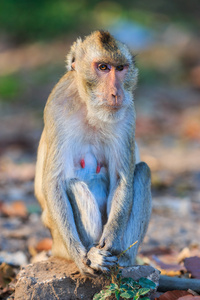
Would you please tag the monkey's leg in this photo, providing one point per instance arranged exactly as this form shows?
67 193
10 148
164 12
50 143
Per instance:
86 212
140 214
89 224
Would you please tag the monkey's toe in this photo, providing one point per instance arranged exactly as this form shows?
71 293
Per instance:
101 259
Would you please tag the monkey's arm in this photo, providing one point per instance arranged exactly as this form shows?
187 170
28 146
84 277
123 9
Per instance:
61 214
118 218
138 218
119 205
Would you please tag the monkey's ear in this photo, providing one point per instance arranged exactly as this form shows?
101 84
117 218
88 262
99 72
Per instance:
71 57
133 57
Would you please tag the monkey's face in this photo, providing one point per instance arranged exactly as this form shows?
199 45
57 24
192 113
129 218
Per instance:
106 76
109 89
110 92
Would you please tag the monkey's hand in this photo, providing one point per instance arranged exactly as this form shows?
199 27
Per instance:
85 269
83 265
100 260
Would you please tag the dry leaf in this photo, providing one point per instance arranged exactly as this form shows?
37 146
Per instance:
195 76
6 275
156 251
193 129
32 250
20 233
189 297
183 254
170 273
44 245
173 295
15 209
192 265
164 266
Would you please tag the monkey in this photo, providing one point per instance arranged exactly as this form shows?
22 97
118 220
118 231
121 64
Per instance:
94 192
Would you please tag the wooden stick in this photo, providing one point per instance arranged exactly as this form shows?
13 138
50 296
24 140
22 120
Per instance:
167 283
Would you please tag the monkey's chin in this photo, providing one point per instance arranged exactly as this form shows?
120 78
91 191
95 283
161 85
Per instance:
110 115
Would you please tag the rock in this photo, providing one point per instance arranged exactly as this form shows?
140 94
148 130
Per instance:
137 272
59 279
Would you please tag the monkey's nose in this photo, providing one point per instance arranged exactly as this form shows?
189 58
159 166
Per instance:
114 96
116 100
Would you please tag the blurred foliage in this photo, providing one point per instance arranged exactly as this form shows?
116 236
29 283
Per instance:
151 75
10 87
35 19
38 19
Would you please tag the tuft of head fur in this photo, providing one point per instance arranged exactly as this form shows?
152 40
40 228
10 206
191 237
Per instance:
105 37
107 41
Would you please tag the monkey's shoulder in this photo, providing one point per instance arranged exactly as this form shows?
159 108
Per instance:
64 95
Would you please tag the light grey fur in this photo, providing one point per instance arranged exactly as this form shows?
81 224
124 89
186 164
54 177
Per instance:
93 216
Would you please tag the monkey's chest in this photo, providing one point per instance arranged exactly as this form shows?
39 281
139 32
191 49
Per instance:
94 173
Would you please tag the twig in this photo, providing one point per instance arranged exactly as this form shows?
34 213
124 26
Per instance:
127 249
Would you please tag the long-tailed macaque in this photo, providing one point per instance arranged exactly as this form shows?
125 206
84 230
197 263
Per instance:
94 193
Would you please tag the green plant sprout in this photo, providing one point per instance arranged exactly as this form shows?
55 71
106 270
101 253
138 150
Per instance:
125 288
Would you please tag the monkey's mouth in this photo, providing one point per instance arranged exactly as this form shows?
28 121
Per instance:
112 107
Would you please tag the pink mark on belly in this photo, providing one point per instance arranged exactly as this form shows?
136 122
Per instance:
98 169
82 163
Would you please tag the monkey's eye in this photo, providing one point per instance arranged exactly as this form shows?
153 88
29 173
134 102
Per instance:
103 67
120 68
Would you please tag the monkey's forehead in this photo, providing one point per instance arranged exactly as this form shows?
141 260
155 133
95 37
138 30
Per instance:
103 47
114 60
113 57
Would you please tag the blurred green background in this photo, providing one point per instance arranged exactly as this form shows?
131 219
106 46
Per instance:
46 19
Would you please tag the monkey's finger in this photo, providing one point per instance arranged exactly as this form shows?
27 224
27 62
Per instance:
89 272
91 275
110 259
109 263
108 255
105 270
113 259
101 244
114 249
101 269
104 252
104 263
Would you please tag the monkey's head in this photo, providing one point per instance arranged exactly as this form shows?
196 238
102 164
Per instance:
106 75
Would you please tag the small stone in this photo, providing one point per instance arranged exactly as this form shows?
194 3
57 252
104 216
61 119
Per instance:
136 272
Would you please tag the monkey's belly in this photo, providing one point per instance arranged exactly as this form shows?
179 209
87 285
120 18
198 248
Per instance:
95 175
